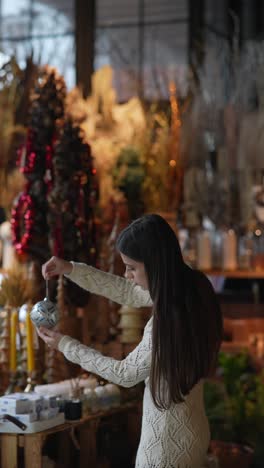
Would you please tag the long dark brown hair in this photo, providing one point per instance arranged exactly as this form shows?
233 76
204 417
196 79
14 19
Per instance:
187 321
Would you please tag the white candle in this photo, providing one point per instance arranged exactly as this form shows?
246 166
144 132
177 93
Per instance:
204 250
229 243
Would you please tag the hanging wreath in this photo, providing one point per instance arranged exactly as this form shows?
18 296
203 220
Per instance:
22 223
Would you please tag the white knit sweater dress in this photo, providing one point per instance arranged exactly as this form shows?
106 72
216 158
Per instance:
173 438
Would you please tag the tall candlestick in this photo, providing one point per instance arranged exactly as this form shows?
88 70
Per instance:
30 349
13 333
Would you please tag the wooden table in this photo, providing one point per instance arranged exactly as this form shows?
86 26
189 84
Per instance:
33 443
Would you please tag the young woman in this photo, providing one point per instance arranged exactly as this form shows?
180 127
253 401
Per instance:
179 346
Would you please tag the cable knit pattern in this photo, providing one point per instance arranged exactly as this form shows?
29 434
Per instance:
174 438
115 288
132 370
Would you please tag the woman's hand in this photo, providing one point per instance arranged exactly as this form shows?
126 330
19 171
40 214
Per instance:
56 266
51 337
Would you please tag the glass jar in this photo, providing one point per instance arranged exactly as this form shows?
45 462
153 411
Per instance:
90 401
103 397
114 394
245 251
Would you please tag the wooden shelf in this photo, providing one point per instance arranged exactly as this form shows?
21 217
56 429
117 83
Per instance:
248 274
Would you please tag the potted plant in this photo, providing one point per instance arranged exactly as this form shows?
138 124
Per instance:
234 404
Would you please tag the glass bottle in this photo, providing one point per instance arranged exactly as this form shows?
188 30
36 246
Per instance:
245 251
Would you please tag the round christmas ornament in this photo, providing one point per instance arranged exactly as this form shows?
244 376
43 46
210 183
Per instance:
45 313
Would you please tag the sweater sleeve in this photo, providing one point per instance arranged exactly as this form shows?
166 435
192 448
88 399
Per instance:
113 287
128 372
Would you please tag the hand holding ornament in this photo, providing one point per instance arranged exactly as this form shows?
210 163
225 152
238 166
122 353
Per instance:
56 266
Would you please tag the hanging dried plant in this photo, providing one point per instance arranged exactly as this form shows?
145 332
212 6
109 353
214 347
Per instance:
10 77
14 184
15 288
153 144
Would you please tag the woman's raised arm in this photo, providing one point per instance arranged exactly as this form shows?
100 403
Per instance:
112 287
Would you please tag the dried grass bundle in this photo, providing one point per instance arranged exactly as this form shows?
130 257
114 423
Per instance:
15 288
153 144
76 390
10 78
14 184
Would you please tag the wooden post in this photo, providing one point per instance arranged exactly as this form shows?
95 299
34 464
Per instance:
84 39
33 451
9 451
88 450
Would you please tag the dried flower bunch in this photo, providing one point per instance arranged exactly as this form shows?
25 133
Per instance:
15 85
76 390
108 126
14 183
15 288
